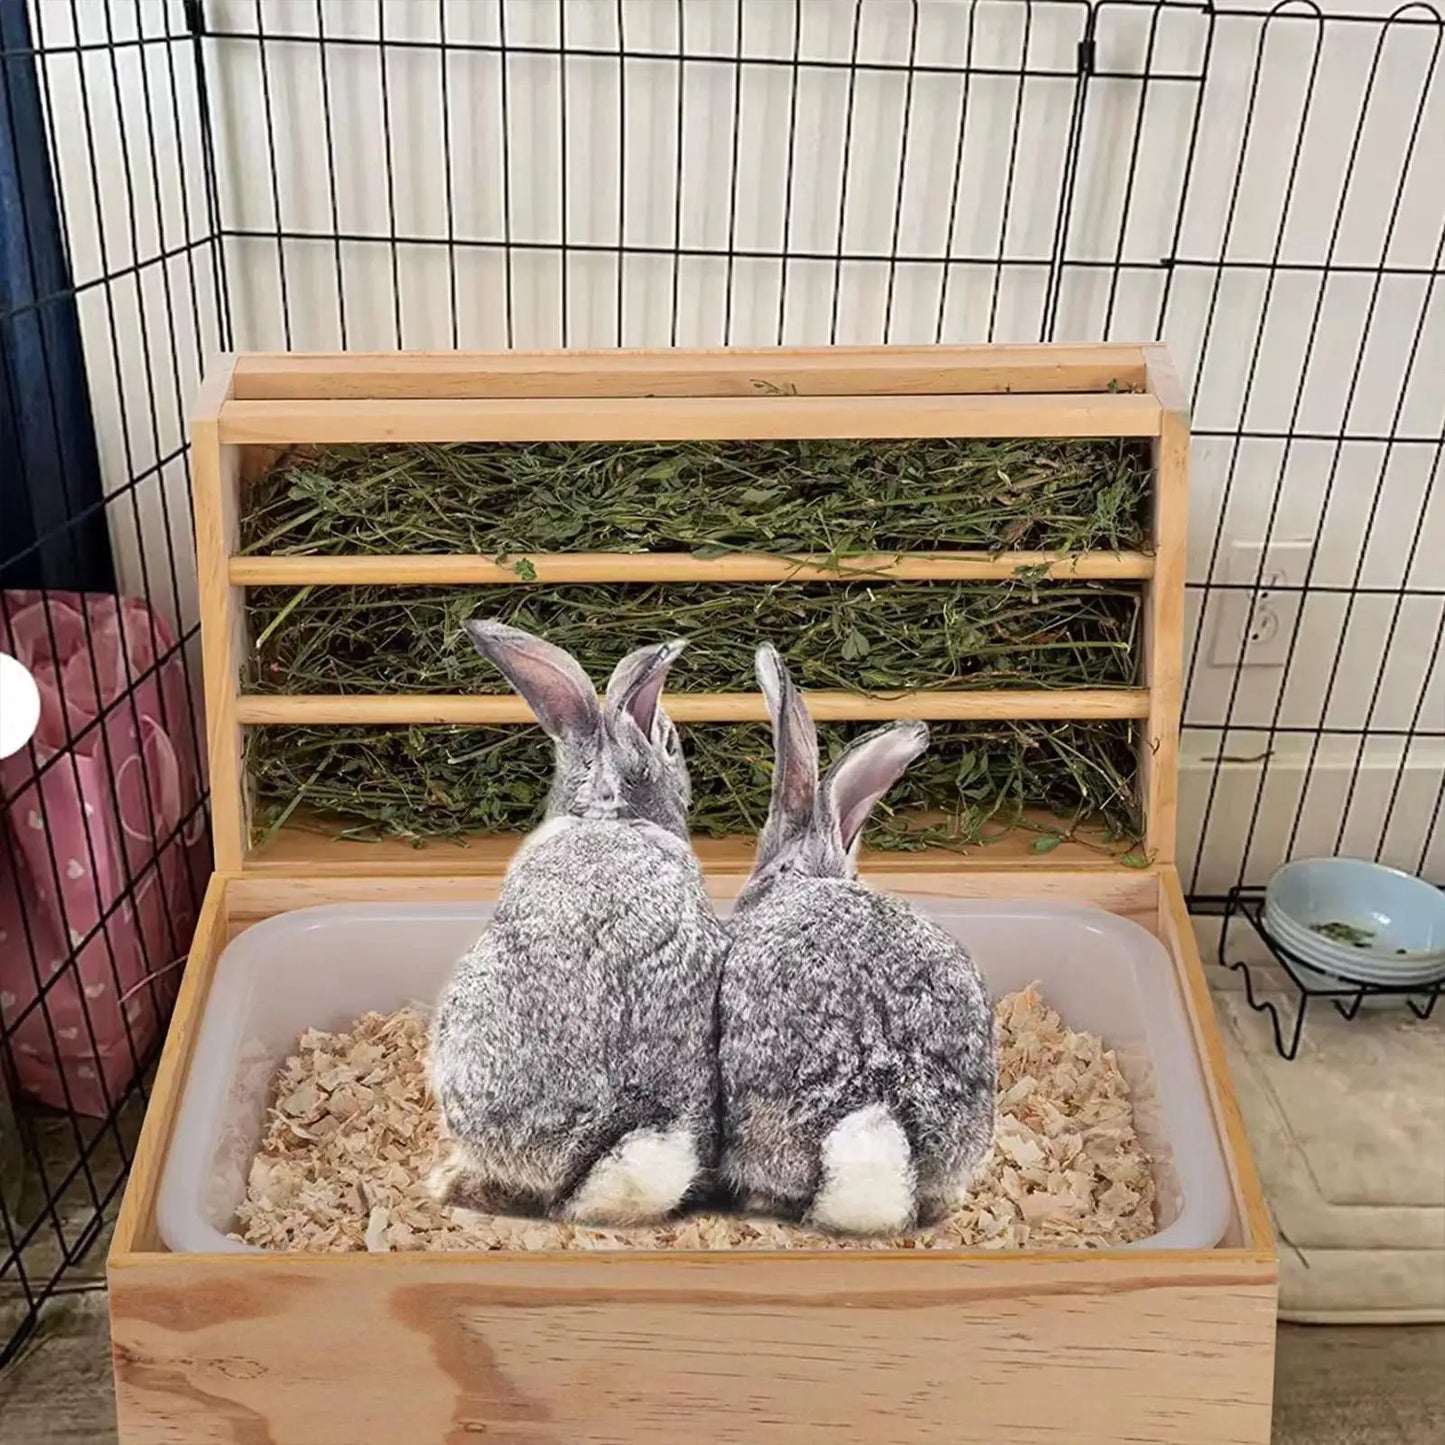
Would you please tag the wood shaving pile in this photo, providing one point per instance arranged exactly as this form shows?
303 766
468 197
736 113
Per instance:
352 1135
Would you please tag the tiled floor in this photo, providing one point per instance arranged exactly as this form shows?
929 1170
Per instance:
1359 1385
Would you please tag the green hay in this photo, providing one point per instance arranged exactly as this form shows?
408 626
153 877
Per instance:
447 782
788 497
886 637
835 498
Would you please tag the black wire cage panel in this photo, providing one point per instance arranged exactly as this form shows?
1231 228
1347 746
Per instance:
1259 187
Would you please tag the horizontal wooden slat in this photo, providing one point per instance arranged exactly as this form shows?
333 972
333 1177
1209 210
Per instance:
684 419
822 371
307 848
305 867
988 706
1173 1347
572 567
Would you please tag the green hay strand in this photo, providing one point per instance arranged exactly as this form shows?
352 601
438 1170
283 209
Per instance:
884 637
835 498
447 782
787 497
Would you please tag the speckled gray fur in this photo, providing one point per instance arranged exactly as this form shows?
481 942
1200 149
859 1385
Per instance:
835 997
587 1010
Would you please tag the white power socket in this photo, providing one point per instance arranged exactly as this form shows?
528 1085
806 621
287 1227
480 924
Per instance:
1253 629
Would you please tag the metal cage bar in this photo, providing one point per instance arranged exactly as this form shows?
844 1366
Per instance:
267 175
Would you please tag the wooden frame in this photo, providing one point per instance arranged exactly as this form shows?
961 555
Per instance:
253 404
1172 1347
730 371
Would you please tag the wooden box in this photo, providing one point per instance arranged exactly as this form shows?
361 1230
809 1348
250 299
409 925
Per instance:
893 1347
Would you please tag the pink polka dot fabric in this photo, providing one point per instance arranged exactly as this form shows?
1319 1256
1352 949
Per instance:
104 864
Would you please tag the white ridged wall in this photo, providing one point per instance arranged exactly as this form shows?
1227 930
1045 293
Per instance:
454 221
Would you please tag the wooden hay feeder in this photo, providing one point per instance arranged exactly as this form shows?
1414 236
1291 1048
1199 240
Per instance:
893 1346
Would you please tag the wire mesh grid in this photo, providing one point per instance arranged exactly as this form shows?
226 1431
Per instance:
107 307
1258 187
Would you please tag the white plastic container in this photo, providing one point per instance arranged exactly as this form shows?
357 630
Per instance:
323 967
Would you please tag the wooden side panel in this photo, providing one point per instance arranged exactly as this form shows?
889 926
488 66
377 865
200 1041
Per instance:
215 485
704 1351
671 419
1164 613
135 1225
815 371
1256 1230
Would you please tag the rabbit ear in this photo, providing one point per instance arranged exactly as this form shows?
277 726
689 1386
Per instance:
866 771
795 754
635 687
553 684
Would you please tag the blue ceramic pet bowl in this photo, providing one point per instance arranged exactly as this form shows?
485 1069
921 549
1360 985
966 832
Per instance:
1365 911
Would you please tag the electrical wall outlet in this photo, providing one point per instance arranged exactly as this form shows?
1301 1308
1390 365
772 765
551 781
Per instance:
1253 629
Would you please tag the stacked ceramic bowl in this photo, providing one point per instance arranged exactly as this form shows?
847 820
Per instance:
1346 922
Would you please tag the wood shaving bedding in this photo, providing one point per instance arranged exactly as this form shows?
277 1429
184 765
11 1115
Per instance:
353 1133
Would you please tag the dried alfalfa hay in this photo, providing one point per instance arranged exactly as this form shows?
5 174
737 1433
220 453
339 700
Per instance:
352 1135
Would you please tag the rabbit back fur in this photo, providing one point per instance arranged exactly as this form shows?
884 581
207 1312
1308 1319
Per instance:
574 1052
857 1059
578 1036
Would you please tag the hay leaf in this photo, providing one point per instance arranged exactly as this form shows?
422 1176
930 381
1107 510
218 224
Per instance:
828 496
448 782
833 498
855 636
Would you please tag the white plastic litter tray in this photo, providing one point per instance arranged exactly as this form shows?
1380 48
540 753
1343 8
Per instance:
323 967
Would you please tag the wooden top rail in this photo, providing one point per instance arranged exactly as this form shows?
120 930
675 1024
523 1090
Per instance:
819 371
993 705
711 418
456 569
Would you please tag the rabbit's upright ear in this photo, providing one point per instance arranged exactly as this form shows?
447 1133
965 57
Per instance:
553 684
795 756
866 771
635 688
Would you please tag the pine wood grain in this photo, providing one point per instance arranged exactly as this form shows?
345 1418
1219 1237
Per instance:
978 705
804 371
215 489
1370 1385
973 1350
1134 895
785 418
135 1225
1164 610
1253 1226
1166 1347
309 846
439 570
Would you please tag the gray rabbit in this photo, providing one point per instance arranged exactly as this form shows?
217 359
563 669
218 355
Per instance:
574 1053
857 1050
